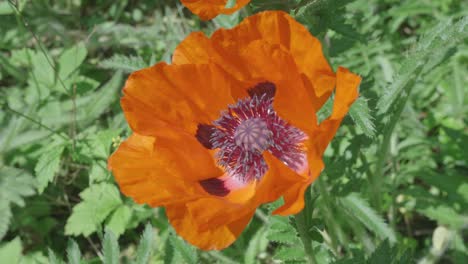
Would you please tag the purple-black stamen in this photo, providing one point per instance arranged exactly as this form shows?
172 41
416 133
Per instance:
204 134
215 186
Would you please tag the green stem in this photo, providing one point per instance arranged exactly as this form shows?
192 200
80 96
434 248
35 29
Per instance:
36 122
301 225
382 151
336 233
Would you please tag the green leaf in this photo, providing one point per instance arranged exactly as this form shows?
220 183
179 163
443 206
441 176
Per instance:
6 9
101 142
71 59
146 245
5 217
73 252
445 215
383 254
124 63
100 101
10 252
53 259
360 113
282 231
186 251
359 208
98 201
257 244
47 166
15 184
227 21
287 236
290 253
42 70
431 50
98 172
119 220
111 251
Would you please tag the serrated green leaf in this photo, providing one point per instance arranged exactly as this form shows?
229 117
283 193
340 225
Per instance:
53 259
47 166
73 252
100 101
10 252
360 114
358 257
431 50
42 70
445 215
98 201
146 245
354 205
71 59
119 219
124 63
101 142
98 172
290 253
15 184
111 251
5 217
186 251
284 236
257 244
383 254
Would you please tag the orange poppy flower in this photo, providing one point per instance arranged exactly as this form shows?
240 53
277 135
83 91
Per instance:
229 125
208 9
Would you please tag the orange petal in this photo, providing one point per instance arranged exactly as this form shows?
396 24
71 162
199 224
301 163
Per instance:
275 64
346 93
274 27
208 9
175 97
278 179
162 170
214 238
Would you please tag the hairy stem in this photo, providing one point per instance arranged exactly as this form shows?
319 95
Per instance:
301 225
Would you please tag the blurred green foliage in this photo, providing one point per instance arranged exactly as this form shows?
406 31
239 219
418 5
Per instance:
395 188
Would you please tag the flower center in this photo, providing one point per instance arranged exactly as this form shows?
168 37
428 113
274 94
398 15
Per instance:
252 134
243 132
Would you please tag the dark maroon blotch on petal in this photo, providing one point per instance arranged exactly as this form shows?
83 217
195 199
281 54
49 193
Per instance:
215 186
263 88
204 133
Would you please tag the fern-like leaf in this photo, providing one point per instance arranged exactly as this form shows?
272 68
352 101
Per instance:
111 251
360 114
124 63
354 205
146 245
73 252
15 184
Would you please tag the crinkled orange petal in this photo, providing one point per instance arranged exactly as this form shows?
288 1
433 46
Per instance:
162 170
208 9
215 238
278 179
274 27
175 97
274 63
346 93
212 212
